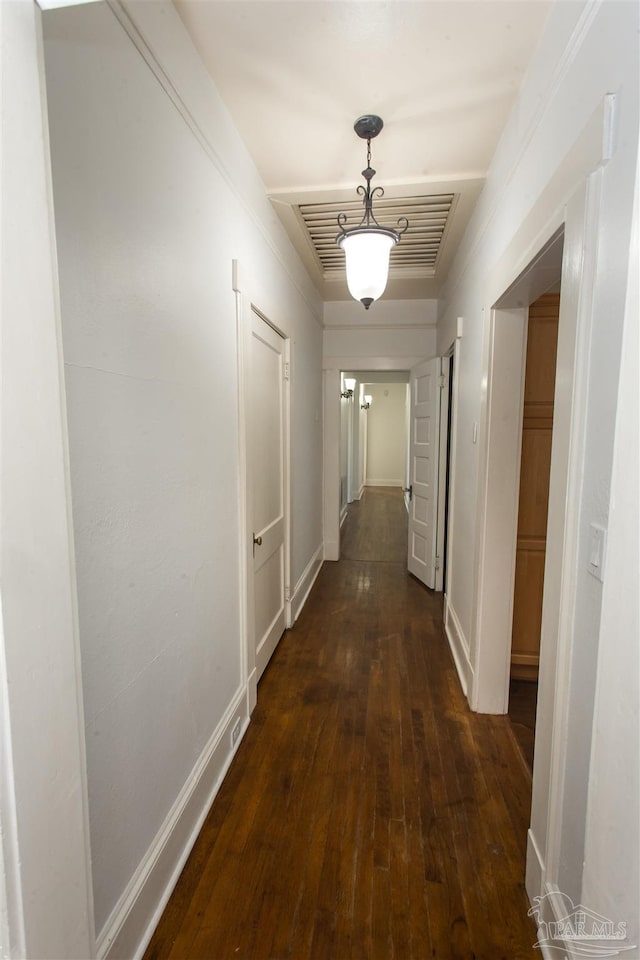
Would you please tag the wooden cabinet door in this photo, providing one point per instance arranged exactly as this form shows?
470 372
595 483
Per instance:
537 429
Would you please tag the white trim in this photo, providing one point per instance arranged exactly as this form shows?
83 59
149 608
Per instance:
57 4
133 920
394 327
567 458
288 478
332 550
458 645
500 479
48 905
441 486
570 198
554 909
343 514
518 265
535 869
359 363
383 483
246 308
252 691
245 589
331 463
453 354
305 583
552 906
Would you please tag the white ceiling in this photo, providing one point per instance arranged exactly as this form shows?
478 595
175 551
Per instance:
295 75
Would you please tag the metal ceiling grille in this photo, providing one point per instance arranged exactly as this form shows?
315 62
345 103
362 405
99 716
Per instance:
419 247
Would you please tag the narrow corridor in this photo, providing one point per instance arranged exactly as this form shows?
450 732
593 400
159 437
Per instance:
368 813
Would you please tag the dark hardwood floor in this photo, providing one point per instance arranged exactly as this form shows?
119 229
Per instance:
368 813
376 527
523 696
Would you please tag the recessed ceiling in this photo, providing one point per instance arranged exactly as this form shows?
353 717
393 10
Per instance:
295 75
427 219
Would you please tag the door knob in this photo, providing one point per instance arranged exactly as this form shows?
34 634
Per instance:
408 490
257 540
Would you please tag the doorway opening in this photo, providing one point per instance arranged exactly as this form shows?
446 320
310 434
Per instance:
373 459
348 470
490 667
533 503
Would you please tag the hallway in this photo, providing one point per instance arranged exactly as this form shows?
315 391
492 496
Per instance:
367 814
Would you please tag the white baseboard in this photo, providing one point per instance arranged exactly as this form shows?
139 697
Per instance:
331 550
133 920
360 492
459 647
552 909
534 881
252 691
550 903
305 583
534 877
383 483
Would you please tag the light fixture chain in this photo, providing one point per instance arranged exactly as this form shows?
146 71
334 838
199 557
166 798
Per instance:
368 245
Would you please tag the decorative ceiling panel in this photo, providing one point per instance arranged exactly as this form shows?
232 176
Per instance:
419 247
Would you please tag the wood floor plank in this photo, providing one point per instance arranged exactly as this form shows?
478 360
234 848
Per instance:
368 813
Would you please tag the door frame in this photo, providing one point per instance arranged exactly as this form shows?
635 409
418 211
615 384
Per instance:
429 367
569 207
445 463
245 309
36 510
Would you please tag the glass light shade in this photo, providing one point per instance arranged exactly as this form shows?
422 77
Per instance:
368 398
367 255
349 383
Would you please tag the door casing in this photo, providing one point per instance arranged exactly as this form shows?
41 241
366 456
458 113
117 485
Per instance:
245 309
424 449
268 532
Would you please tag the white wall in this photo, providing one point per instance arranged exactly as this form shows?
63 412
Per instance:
154 198
399 331
386 434
554 141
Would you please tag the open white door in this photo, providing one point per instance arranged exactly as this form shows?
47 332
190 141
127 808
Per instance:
423 470
267 438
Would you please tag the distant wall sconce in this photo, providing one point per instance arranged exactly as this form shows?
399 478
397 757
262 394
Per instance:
349 386
368 400
367 247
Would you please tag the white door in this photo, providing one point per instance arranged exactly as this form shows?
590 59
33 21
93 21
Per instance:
423 470
267 440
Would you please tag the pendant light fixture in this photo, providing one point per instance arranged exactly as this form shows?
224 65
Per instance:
367 247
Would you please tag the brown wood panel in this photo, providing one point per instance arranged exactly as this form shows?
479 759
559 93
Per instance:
542 342
527 607
368 813
535 464
534 481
